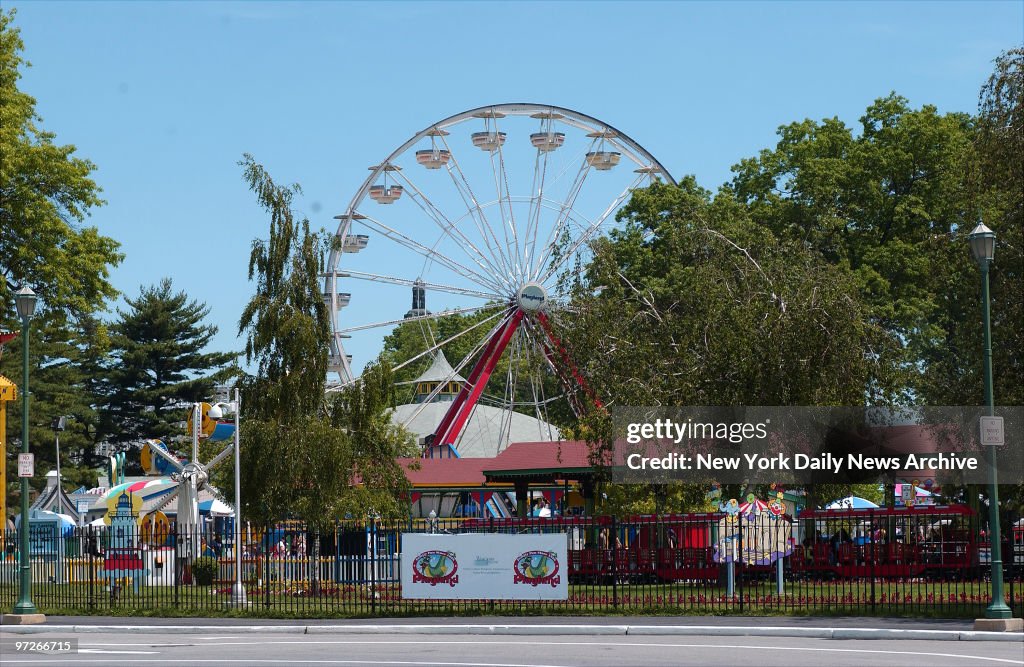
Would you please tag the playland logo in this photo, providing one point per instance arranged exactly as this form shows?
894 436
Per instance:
435 567
536 568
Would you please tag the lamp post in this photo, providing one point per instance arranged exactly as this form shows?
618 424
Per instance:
983 247
238 597
25 302
58 425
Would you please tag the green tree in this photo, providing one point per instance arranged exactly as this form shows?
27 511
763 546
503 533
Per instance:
45 195
61 385
158 364
884 204
303 455
953 374
693 302
362 411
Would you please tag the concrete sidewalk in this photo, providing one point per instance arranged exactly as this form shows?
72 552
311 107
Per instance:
728 626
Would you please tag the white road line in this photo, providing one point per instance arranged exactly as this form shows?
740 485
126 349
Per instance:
212 638
100 650
732 647
192 661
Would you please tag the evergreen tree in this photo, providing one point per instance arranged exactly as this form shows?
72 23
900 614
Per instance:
158 364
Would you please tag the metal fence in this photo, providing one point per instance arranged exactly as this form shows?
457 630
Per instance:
921 564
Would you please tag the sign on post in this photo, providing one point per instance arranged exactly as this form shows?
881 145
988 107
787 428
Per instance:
485 566
26 465
992 431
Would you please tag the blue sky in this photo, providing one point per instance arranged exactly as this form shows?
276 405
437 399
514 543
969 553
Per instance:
165 97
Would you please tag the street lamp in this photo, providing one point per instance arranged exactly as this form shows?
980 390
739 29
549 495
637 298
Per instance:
216 412
58 425
983 247
25 302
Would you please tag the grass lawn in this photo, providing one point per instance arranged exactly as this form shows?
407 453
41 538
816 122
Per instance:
958 599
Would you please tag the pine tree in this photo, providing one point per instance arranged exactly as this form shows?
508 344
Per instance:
158 364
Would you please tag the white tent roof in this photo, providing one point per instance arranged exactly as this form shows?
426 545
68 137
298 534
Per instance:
482 433
440 371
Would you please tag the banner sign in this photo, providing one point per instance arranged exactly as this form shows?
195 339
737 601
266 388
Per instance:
485 566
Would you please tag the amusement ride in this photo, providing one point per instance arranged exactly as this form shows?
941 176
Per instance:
491 210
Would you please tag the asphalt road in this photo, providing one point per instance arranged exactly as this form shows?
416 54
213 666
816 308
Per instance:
220 647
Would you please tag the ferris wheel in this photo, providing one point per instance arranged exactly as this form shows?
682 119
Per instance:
481 216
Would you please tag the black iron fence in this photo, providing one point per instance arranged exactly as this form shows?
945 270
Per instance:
884 562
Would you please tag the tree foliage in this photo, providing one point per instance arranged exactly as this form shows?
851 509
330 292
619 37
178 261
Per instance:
362 411
303 455
883 204
694 303
158 364
46 192
286 322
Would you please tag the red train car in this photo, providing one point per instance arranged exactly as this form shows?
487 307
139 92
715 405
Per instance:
903 542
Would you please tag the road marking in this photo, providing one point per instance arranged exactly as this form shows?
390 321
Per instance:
191 661
100 650
731 647
212 638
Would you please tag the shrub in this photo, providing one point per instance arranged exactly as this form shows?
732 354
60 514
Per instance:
204 570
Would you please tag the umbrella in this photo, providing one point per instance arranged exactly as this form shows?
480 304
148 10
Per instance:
850 502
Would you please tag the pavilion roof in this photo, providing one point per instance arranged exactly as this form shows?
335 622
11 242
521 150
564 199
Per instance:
541 461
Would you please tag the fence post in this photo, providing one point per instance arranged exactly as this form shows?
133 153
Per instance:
373 565
741 559
177 562
613 545
872 555
93 547
780 588
268 553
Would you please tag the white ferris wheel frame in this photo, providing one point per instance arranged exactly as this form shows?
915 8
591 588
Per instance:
645 162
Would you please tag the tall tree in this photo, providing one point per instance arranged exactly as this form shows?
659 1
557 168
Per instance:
303 455
883 203
695 303
700 305
159 364
953 374
45 195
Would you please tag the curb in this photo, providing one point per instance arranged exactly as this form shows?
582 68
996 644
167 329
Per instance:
540 630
